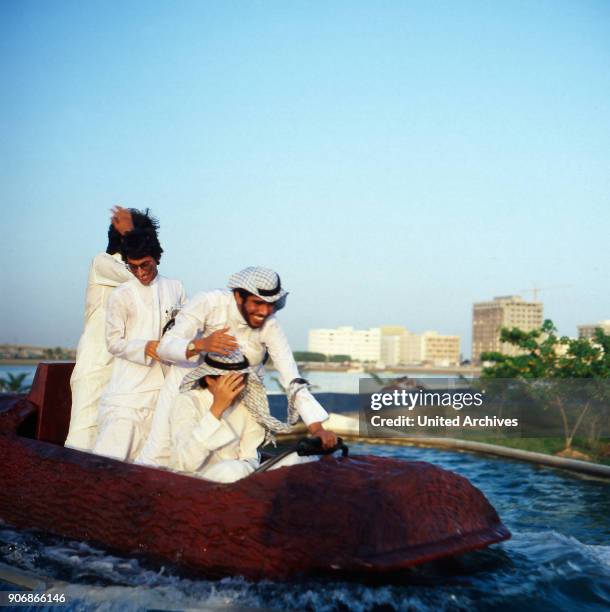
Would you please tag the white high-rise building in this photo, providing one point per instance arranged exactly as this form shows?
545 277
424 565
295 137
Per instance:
359 344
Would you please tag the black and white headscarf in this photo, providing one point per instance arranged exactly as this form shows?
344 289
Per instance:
254 396
255 400
262 282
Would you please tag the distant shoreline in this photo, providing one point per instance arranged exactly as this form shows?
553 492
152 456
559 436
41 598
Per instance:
465 370
21 361
396 371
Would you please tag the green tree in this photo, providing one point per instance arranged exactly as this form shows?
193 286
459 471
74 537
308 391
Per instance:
549 363
13 383
308 356
56 354
339 358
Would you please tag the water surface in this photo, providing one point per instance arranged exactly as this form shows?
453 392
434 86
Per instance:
558 558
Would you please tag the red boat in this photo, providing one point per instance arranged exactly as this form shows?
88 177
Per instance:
337 515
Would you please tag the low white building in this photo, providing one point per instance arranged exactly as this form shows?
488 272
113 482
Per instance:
391 344
390 350
440 350
399 346
411 349
387 345
359 344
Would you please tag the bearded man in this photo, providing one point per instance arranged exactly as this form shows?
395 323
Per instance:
221 321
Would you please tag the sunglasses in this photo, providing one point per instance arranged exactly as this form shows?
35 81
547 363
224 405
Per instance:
145 266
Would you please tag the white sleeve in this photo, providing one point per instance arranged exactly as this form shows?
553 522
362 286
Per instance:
109 271
182 299
194 437
189 322
274 338
252 437
117 313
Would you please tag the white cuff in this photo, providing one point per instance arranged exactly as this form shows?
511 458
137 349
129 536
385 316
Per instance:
309 408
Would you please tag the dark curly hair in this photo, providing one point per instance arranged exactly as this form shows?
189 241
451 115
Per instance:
140 243
141 220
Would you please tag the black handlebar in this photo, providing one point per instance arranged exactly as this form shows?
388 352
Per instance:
307 447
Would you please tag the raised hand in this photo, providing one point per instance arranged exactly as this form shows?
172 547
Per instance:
225 389
121 219
219 342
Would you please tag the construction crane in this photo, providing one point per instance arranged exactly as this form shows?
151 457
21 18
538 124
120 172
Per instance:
535 290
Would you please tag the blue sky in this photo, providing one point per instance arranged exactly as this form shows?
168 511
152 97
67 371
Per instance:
394 161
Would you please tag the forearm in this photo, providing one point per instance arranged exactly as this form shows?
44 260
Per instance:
173 349
131 350
315 428
189 325
198 345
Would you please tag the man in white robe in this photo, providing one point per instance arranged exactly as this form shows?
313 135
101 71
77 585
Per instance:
221 321
219 421
213 436
93 361
137 313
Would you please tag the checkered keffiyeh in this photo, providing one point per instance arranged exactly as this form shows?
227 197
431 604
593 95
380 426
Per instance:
255 400
262 282
214 364
254 395
257 404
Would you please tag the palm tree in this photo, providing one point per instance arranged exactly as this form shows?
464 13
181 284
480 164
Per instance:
13 383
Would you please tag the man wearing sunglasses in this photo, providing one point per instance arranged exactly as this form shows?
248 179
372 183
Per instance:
137 313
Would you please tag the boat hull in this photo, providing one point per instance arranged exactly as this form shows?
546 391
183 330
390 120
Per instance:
353 514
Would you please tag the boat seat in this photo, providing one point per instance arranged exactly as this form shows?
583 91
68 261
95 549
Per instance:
51 394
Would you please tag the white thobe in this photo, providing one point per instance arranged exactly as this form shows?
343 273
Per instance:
223 449
205 313
136 314
93 361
